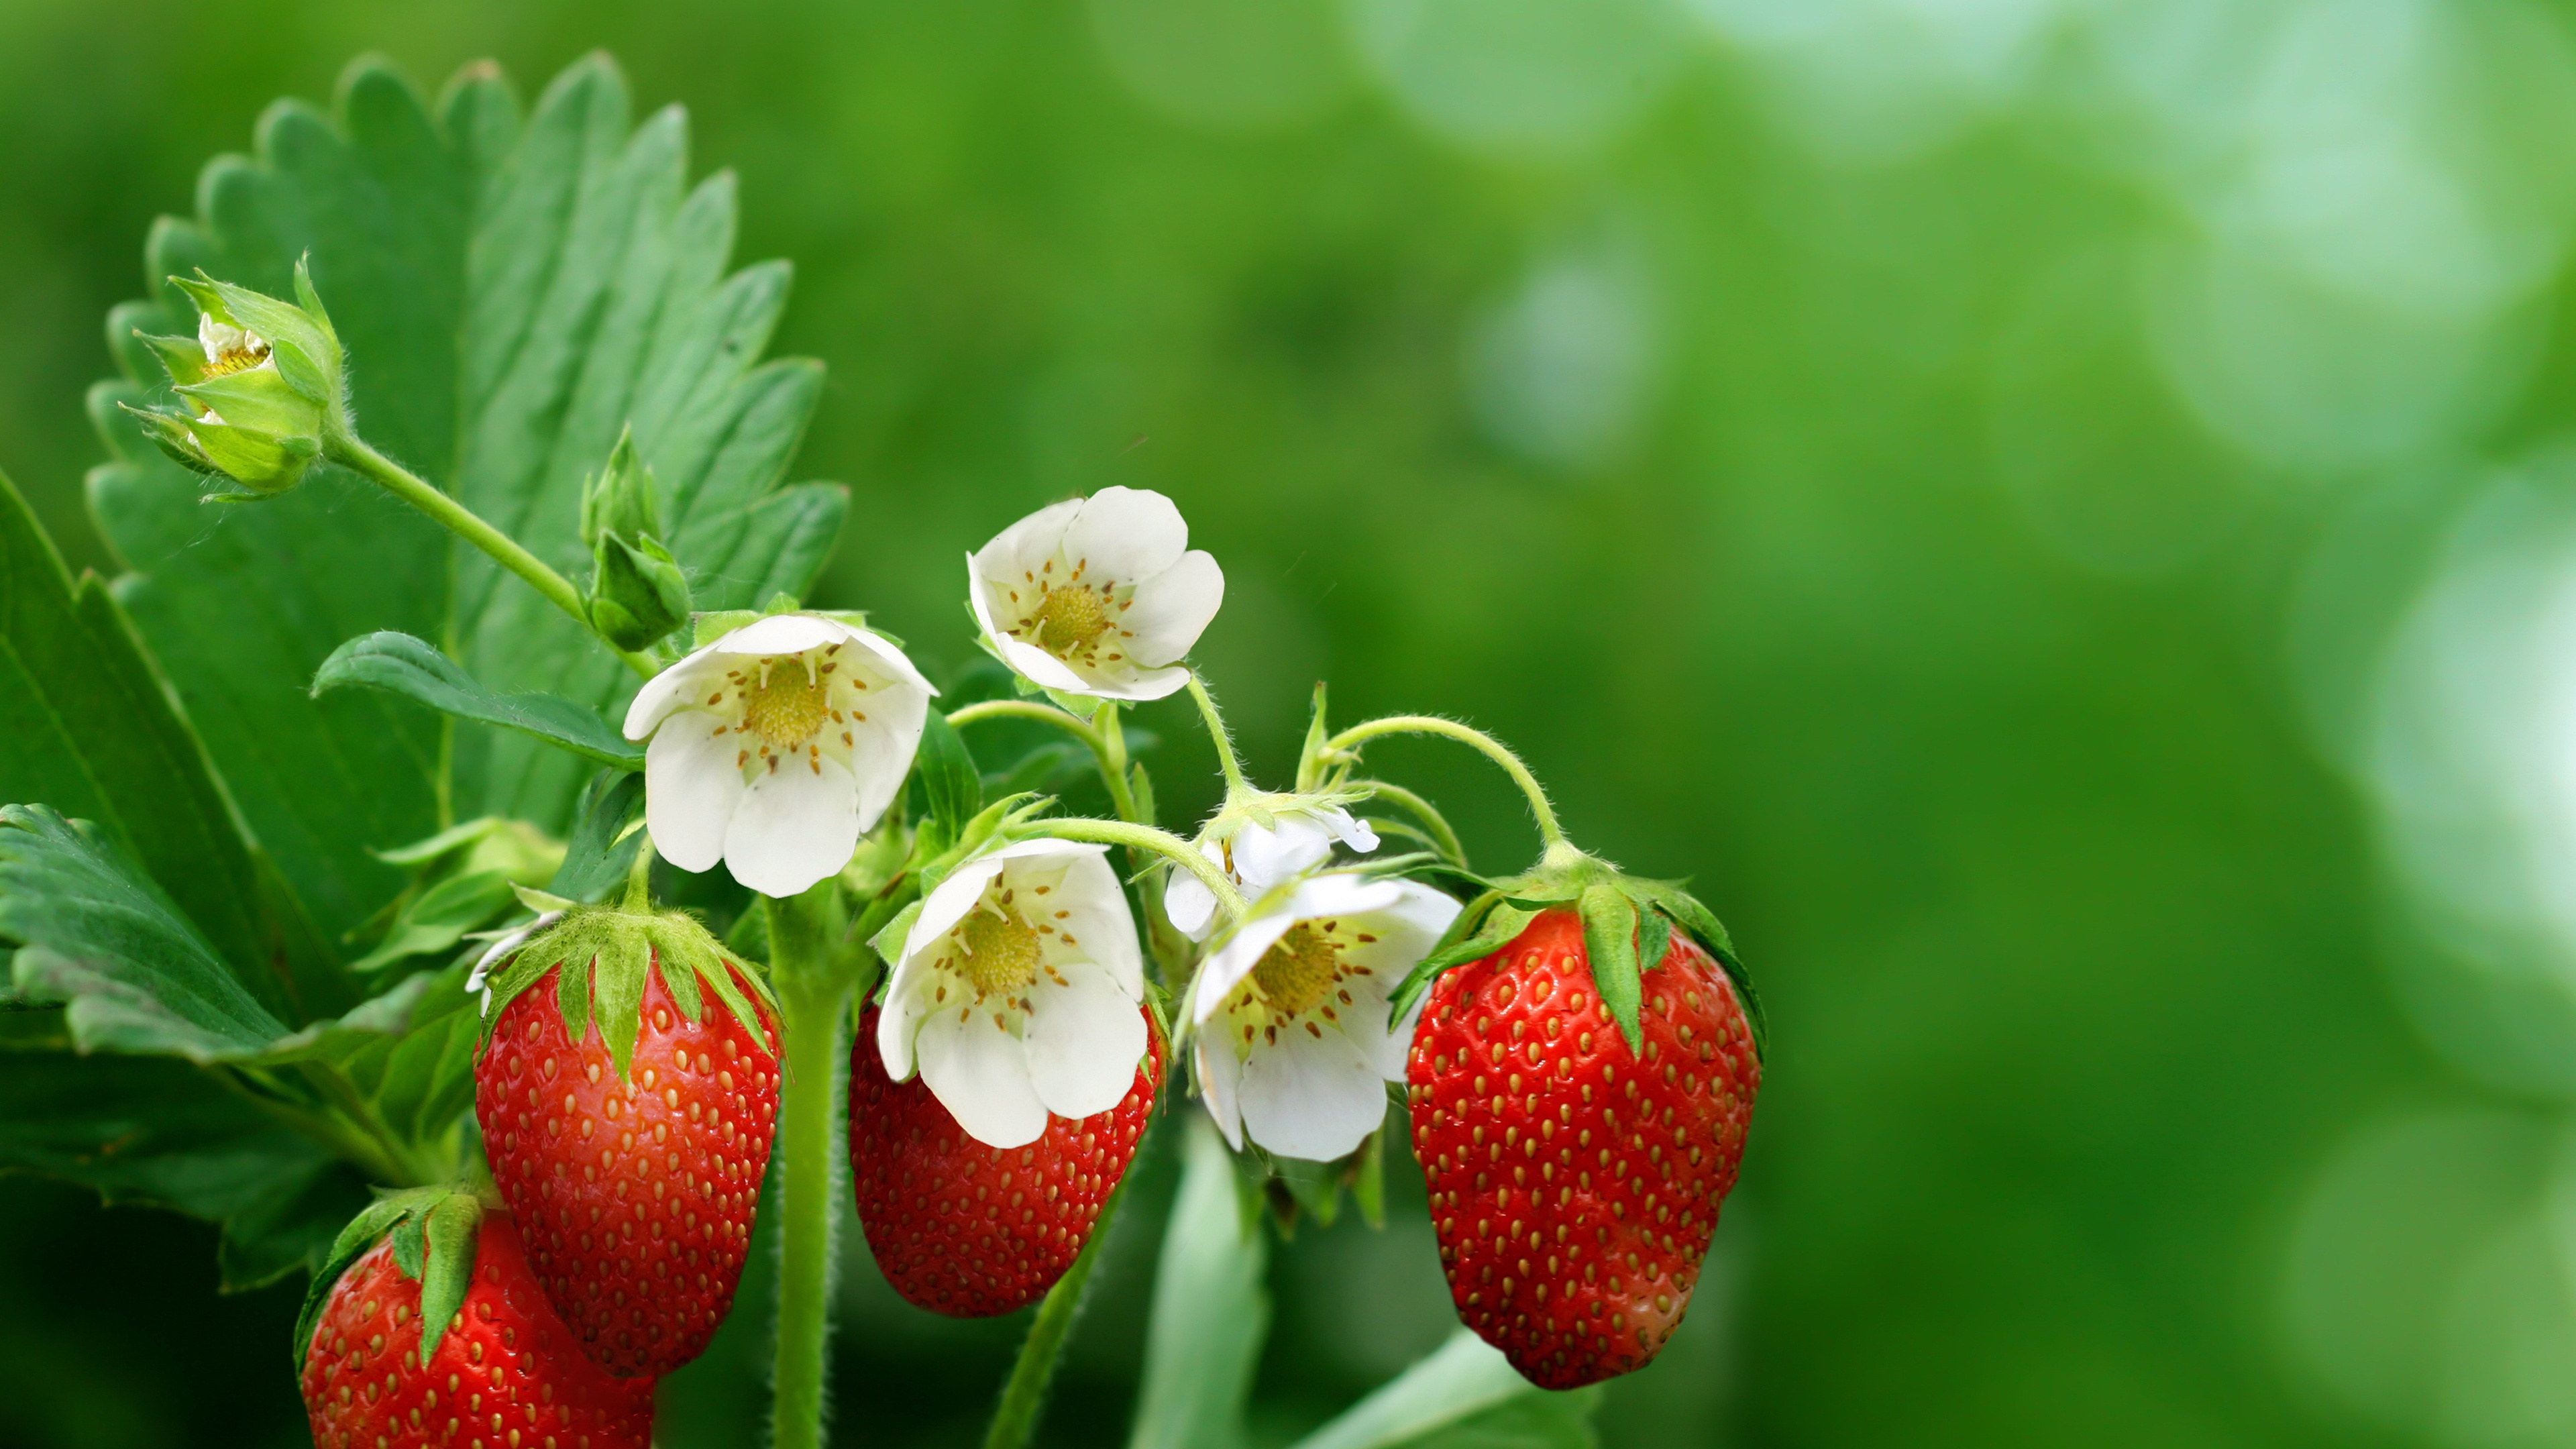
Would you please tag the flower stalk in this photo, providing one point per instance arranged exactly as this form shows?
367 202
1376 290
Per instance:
1343 748
1016 1420
814 981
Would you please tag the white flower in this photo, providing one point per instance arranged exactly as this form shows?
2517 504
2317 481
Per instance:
1019 992
1294 1046
1097 595
775 747
1258 859
478 980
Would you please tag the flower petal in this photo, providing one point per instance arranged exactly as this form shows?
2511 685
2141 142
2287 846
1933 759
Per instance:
882 747
1313 1095
1406 927
1264 858
980 1074
949 902
1188 903
1098 920
691 789
1234 960
890 661
1125 535
1084 1040
907 1001
1136 688
1348 829
1173 608
1025 546
1220 1087
665 692
797 824
1044 669
784 634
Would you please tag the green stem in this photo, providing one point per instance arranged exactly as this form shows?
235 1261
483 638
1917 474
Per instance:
1159 842
1551 835
1438 824
813 983
1025 1395
1113 763
1234 786
1026 709
352 452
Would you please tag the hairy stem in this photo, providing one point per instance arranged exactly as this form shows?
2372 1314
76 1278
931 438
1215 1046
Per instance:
1234 786
1159 842
353 453
1025 1395
1028 709
1551 835
813 982
1432 820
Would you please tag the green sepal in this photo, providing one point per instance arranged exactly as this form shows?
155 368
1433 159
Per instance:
1610 941
1654 937
619 501
410 1238
259 399
362 1234
1688 913
449 1271
1488 924
781 602
1140 787
888 941
604 953
950 782
607 831
300 339
184 358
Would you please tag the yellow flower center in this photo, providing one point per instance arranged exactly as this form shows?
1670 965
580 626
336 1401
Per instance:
1299 969
1000 953
1071 618
250 352
788 707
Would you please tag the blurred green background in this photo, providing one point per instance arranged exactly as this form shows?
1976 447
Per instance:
2052 512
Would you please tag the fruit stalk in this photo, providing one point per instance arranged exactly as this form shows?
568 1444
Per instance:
1341 747
813 987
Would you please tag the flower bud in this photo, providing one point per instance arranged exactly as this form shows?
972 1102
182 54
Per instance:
637 592
260 385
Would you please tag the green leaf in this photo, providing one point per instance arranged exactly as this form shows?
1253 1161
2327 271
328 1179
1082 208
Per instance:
512 293
1462 1394
1610 940
601 849
438 918
158 1132
136 974
1211 1311
401 664
1486 926
948 776
88 727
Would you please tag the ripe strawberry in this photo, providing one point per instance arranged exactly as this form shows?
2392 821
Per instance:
631 1139
969 1230
505 1371
1575 1184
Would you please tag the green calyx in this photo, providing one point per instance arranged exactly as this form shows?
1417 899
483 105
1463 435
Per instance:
433 1231
638 593
1628 926
262 387
606 952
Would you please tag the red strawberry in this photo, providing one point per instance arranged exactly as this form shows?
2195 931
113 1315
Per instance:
506 1371
1574 1186
634 1172
969 1230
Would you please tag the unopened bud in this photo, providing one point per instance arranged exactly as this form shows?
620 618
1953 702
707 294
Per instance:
637 592
618 500
260 385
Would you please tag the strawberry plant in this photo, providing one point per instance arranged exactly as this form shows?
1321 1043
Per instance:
453 858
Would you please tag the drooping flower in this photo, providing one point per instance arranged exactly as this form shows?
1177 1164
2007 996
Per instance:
1294 1044
1018 992
260 385
1259 858
776 746
1097 596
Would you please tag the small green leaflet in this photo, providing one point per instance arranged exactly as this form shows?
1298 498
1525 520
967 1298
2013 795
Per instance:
413 668
1211 1308
948 776
1462 1393
602 848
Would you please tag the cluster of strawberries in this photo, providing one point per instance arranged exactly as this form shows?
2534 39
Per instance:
1574 1184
